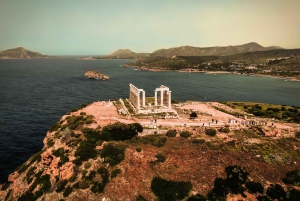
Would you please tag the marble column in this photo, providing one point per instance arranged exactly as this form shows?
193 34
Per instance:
161 98
144 102
155 94
169 99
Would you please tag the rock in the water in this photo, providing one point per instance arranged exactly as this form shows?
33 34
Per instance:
96 75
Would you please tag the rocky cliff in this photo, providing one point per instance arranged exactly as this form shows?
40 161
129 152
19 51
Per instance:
20 53
91 155
95 75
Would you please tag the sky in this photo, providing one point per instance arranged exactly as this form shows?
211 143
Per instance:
100 27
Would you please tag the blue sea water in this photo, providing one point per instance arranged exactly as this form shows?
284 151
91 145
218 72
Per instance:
35 93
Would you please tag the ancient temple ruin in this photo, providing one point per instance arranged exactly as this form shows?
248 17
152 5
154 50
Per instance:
135 98
161 103
165 96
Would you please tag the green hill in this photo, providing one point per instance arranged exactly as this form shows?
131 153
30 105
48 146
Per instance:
20 53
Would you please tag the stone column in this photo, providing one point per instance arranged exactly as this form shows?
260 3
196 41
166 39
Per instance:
161 98
155 94
144 102
169 103
138 101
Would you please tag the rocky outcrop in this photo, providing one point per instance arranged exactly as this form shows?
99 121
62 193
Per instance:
95 75
20 53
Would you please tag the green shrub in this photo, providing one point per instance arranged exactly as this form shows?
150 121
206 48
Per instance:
198 141
29 174
113 153
120 131
67 191
297 134
58 152
276 191
8 195
83 105
5 186
137 127
254 187
97 187
236 177
104 174
219 190
54 127
155 140
193 115
83 184
293 195
161 157
171 133
85 151
138 149
115 172
211 131
170 190
87 165
91 175
292 177
185 134
99 143
92 135
61 185
82 113
263 198
63 160
84 172
73 178
226 130
50 142
74 110
197 197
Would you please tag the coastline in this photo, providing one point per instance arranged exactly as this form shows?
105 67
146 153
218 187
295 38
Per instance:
191 70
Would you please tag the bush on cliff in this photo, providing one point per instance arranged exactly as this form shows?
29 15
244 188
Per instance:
185 134
171 133
292 177
211 131
161 157
54 127
113 153
85 151
155 140
120 131
170 190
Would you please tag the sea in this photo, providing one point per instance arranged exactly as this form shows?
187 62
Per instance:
35 93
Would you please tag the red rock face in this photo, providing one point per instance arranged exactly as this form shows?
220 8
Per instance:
13 176
46 158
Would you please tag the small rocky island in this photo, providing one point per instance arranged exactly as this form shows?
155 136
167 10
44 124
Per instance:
95 75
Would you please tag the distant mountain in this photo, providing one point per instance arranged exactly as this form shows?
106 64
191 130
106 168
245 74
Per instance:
212 51
20 53
126 53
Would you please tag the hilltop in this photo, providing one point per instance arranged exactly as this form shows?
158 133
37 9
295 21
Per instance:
123 54
195 51
96 153
20 53
211 51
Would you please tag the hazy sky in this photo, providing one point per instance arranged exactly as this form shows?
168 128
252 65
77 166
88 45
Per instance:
83 27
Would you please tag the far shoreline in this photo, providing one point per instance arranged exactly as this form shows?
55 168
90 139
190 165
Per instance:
191 70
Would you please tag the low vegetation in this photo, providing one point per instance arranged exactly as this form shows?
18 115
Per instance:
280 112
170 190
